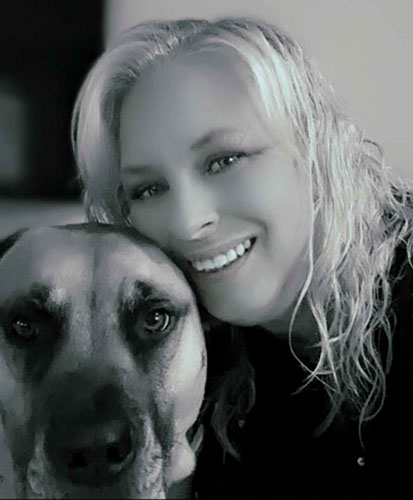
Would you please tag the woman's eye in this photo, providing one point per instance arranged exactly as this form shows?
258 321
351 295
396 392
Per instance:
157 321
224 162
146 192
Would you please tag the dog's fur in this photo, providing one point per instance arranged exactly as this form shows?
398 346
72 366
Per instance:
84 355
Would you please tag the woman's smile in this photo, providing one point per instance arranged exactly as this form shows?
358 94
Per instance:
210 261
209 182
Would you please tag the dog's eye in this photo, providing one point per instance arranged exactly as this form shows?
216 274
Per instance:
157 320
25 329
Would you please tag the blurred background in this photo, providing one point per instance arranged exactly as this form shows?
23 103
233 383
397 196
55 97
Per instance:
364 47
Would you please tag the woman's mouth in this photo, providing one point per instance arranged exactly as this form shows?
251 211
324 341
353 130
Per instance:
223 260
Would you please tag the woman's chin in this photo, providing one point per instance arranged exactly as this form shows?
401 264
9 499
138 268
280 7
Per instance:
274 315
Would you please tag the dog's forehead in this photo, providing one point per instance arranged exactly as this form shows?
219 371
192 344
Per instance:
62 259
45 257
123 262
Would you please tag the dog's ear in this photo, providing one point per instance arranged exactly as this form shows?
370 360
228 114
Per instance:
9 241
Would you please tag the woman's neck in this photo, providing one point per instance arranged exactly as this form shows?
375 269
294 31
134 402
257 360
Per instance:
304 333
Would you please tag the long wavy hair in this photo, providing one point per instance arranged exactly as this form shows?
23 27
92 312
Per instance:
360 214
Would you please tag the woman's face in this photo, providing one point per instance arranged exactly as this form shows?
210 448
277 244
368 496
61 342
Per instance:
212 184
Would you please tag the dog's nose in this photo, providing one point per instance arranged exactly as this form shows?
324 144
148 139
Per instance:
90 441
92 455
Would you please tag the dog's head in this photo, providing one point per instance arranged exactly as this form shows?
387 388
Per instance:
102 363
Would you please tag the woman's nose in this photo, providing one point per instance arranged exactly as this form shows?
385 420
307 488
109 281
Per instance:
193 215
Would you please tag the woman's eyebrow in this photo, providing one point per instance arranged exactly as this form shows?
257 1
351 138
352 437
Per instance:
212 136
136 169
215 135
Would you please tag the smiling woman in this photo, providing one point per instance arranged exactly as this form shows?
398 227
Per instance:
214 178
222 142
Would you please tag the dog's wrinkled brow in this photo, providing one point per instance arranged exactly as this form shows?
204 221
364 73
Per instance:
38 298
144 291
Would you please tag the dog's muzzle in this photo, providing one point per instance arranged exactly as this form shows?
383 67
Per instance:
92 441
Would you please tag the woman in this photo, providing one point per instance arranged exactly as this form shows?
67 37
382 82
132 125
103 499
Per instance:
222 142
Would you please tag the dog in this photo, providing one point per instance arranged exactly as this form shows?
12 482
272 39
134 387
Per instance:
102 364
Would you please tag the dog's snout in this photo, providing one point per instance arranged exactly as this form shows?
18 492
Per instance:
95 456
92 443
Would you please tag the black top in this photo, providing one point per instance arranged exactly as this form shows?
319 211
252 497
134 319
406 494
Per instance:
280 455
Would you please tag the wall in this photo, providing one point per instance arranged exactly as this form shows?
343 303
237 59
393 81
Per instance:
364 47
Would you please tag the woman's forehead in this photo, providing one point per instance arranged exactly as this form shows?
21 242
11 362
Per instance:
188 74
188 101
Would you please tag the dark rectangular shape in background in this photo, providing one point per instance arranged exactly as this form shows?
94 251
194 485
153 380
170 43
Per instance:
46 48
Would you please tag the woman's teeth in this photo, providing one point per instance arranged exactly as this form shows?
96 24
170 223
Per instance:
223 260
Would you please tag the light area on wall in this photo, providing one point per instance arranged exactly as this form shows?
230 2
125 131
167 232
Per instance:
363 47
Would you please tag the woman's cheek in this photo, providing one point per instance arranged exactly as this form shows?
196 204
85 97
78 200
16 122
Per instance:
149 222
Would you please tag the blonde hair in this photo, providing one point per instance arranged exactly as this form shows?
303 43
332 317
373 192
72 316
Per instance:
359 214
